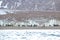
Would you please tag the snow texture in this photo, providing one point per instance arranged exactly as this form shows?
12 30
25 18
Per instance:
2 12
41 5
29 34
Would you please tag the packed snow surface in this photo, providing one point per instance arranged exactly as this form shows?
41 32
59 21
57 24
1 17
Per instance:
29 34
2 12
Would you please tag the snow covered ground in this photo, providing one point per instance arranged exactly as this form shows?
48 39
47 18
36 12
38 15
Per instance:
2 12
30 34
